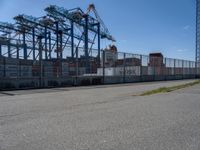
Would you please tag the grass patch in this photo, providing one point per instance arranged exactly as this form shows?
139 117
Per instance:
169 89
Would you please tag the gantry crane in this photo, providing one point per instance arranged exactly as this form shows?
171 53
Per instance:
57 31
104 30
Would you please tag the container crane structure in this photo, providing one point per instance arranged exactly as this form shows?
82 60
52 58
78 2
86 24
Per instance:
53 35
104 30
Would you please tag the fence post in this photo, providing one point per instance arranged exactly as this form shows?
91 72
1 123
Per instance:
165 69
4 66
17 51
40 60
141 72
190 68
174 68
124 68
196 70
154 68
103 67
19 69
182 69
77 68
0 51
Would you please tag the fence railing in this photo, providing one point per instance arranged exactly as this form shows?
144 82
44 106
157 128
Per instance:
110 66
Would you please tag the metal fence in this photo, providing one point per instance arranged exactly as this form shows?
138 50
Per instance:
109 67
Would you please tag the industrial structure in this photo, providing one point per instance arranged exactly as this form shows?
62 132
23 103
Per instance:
49 36
63 48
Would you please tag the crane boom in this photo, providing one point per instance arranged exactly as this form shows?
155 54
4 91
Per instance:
103 26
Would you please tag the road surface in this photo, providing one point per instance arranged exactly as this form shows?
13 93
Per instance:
101 118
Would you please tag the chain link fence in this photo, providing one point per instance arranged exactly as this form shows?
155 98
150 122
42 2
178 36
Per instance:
109 67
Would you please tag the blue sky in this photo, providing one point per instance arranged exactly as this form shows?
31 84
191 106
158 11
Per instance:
140 26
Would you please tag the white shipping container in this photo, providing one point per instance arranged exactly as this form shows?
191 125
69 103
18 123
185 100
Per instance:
107 71
132 71
119 71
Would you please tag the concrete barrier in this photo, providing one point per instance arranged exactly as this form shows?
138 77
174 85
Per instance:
29 83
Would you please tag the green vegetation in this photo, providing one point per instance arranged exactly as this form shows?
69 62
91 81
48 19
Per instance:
169 89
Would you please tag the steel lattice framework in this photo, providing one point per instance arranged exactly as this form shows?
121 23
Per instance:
49 36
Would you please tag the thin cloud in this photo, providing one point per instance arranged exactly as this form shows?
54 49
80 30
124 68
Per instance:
187 27
124 41
182 50
2 3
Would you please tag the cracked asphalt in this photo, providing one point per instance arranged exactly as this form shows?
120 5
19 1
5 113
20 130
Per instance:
101 118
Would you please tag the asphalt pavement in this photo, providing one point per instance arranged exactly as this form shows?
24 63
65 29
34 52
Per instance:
101 118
